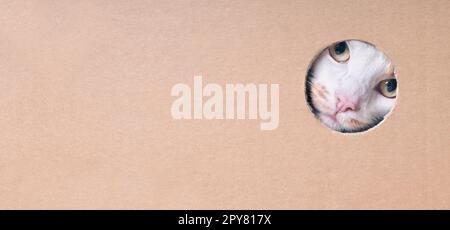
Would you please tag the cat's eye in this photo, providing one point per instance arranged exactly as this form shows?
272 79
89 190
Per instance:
340 52
388 88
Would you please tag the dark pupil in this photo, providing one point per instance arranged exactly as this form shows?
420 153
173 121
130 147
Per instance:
391 85
340 48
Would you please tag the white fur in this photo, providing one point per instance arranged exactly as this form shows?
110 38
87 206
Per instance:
359 77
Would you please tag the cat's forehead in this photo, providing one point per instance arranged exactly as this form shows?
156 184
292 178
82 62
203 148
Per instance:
366 63
363 53
366 59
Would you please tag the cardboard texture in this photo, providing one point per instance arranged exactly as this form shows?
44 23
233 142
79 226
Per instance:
85 106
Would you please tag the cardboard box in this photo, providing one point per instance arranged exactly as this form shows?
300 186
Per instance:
85 106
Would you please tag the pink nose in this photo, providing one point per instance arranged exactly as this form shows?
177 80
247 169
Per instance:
346 103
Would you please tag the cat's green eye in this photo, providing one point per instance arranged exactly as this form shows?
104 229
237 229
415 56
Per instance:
340 52
388 88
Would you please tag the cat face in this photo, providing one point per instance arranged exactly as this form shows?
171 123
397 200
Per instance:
351 86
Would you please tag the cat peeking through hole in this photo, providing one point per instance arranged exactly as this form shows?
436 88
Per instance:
351 86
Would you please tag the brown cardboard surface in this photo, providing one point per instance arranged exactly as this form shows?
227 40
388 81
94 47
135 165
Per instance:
85 106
